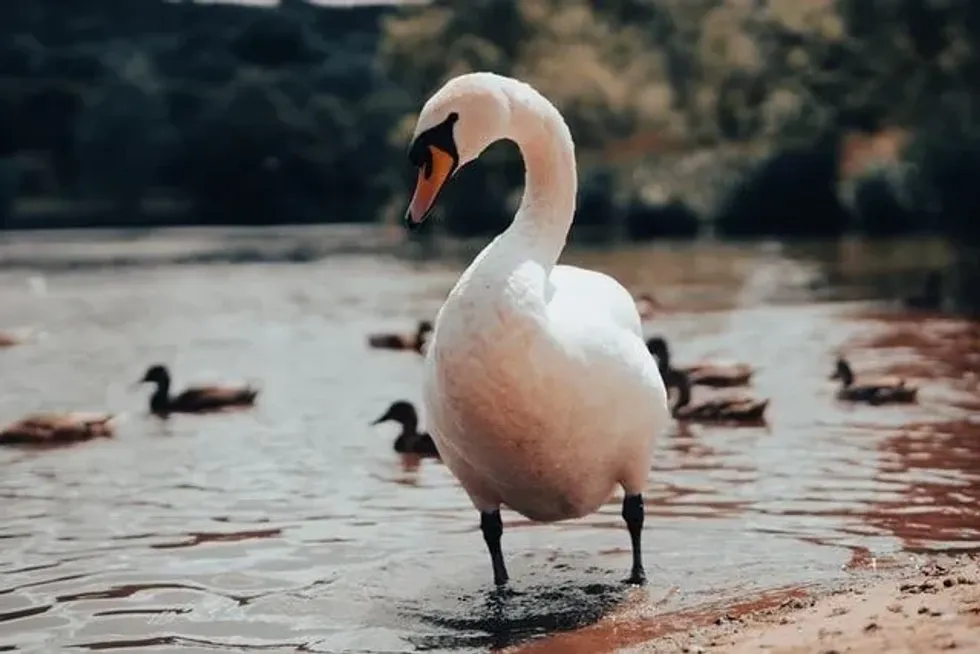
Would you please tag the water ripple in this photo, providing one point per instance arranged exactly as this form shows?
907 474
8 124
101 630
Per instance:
294 527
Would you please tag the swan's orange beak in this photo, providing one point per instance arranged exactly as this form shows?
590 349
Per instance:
432 177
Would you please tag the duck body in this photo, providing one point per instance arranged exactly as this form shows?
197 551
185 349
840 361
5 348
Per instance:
719 375
57 428
7 340
203 399
727 409
872 390
393 341
196 399
538 388
871 394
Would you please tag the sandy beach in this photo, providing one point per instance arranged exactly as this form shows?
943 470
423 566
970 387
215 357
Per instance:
930 608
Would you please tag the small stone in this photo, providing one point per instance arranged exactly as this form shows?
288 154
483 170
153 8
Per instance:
894 608
964 581
923 610
948 583
871 627
840 610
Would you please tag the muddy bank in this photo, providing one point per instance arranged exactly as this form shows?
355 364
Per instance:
931 608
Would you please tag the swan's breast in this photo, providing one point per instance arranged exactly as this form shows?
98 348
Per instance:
544 431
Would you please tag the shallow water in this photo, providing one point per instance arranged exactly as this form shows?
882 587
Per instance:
294 527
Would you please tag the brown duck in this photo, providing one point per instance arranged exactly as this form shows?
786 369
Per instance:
58 429
702 374
411 440
416 341
872 390
8 340
196 399
719 409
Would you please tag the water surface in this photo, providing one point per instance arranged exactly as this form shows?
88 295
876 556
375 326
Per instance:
295 527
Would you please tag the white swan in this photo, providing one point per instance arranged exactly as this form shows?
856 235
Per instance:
540 391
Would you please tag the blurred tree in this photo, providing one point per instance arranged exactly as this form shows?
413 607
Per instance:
122 133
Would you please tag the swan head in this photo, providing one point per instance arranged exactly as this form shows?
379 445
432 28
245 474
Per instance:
455 126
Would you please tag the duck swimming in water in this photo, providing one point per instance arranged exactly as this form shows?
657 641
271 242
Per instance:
196 399
538 388
715 375
17 337
732 409
411 440
391 341
872 390
58 428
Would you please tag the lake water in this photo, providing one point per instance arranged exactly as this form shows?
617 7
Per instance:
295 527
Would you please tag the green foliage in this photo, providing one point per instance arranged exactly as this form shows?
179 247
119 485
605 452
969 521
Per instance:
303 113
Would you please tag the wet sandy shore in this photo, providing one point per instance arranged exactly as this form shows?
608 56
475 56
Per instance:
934 607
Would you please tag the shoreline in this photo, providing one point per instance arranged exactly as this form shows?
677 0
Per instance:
914 608
933 607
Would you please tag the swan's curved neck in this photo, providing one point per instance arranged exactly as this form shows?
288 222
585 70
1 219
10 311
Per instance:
550 179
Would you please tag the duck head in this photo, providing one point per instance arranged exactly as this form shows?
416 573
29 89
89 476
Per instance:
156 374
842 371
401 412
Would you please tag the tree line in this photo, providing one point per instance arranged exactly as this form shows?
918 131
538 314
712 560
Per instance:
747 118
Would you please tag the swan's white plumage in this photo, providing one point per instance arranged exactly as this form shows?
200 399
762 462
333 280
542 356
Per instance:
540 392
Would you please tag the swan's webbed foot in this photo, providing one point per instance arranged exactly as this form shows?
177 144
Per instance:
633 515
493 528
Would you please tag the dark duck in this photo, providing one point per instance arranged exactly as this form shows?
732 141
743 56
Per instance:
196 399
872 390
727 409
415 341
411 440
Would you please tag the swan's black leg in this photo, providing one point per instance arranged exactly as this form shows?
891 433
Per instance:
493 528
633 515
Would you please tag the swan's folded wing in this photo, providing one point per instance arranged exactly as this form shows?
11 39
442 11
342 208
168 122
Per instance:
587 295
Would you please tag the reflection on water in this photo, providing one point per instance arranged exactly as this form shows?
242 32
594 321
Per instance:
296 527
